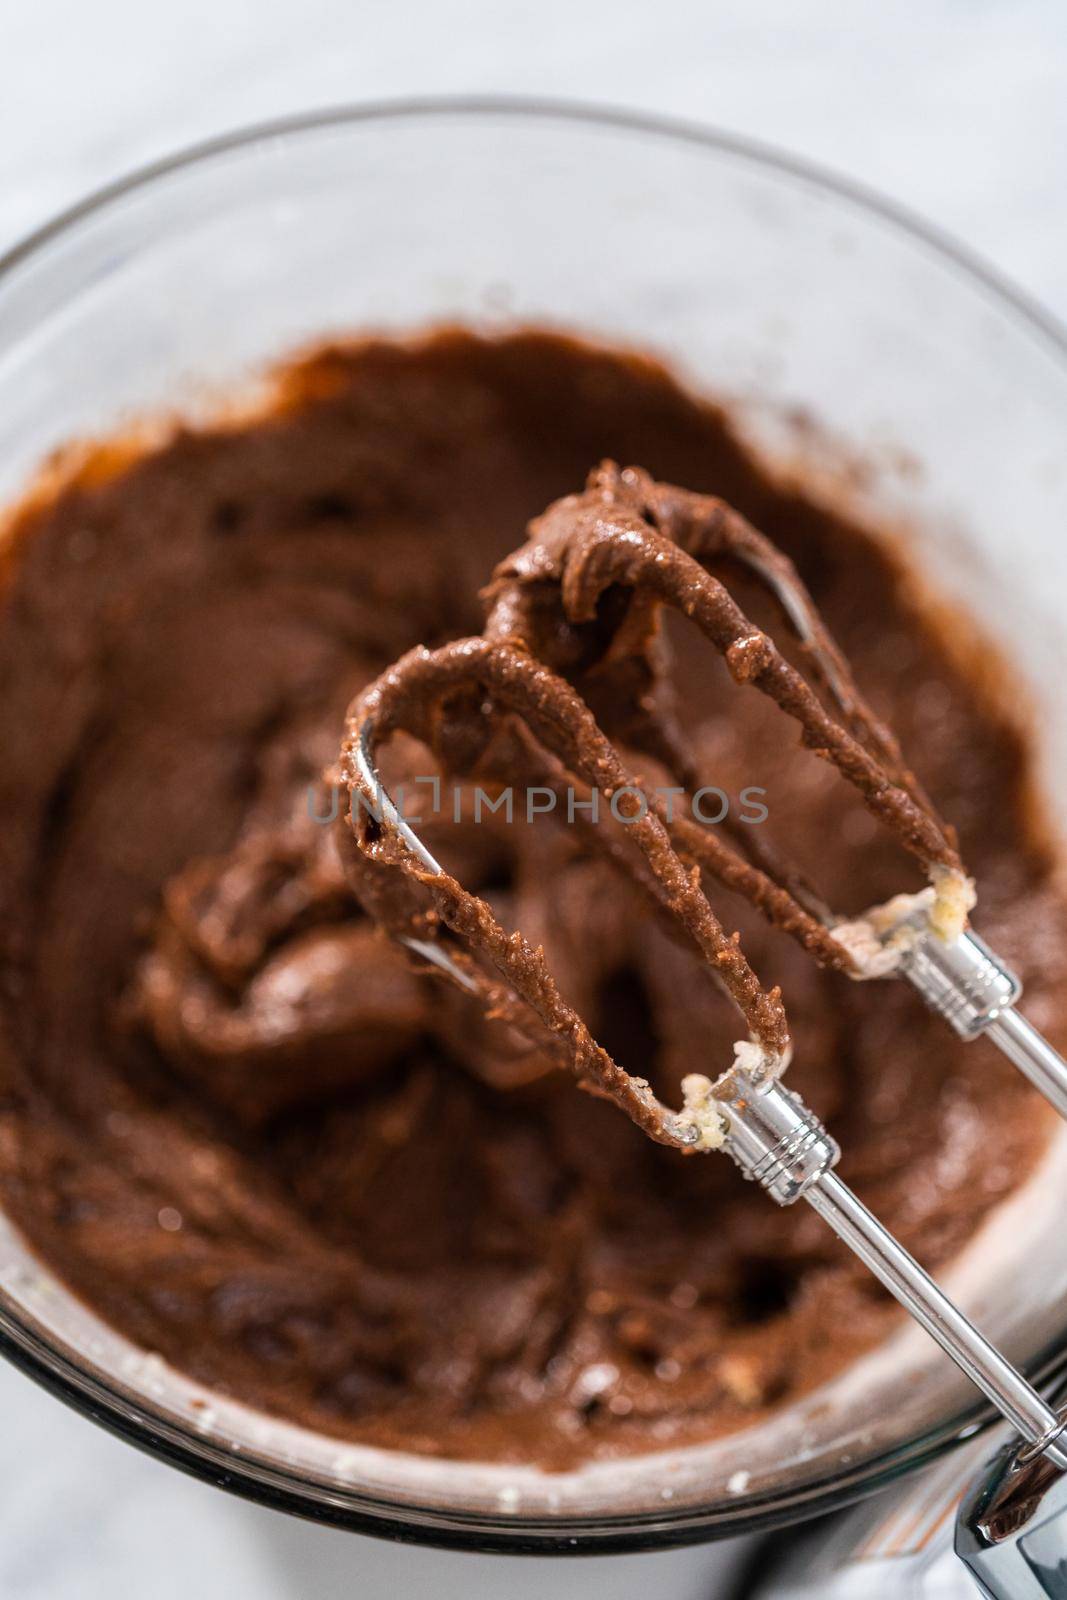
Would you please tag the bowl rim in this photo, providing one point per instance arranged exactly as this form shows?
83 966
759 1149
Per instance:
1043 322
345 1506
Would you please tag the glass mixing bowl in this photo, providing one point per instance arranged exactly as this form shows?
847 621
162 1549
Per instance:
848 340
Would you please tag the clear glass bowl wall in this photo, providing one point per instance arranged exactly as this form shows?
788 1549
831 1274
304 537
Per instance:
759 281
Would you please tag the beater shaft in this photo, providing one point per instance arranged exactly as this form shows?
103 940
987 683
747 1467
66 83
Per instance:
975 992
1026 1049
930 1306
779 1143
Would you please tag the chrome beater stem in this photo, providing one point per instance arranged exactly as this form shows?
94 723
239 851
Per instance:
974 991
779 1143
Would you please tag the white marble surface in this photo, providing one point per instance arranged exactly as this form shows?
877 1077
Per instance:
83 1516
954 107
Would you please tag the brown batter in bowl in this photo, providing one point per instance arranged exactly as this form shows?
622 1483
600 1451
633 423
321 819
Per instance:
232 1119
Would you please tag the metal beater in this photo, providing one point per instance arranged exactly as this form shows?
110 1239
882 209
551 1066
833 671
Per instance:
768 1131
778 1142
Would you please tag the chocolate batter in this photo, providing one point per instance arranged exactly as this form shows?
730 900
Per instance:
233 1118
